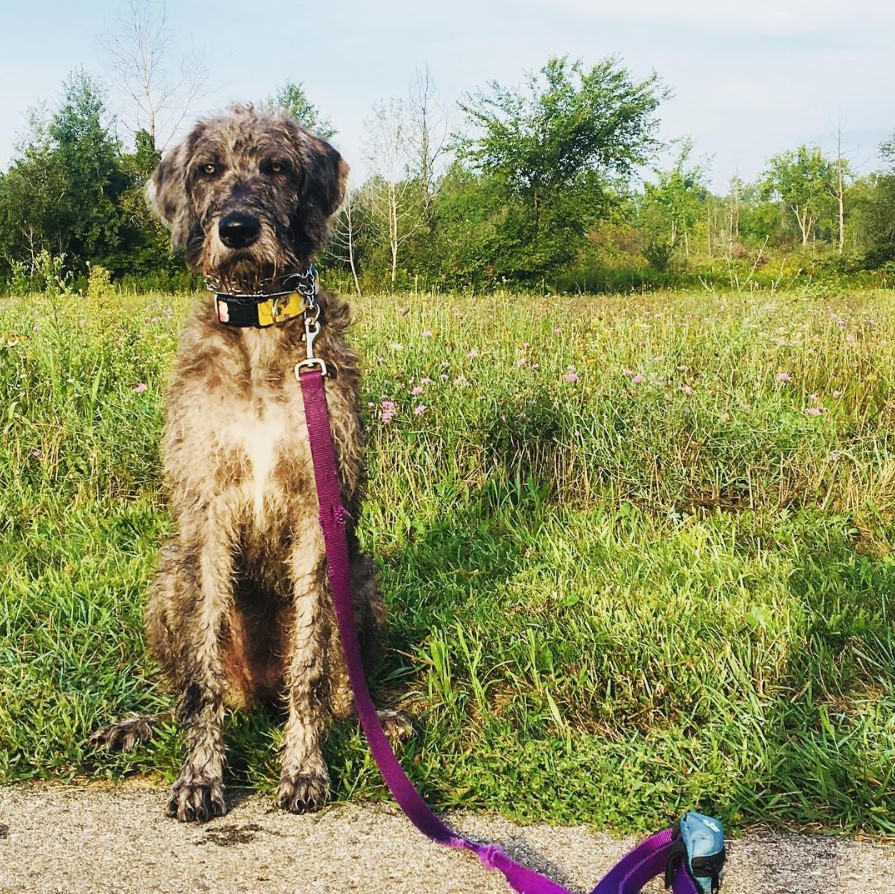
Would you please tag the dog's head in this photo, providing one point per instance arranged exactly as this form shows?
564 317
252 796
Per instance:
248 196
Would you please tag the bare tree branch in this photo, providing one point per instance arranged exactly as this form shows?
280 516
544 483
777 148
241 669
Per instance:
160 91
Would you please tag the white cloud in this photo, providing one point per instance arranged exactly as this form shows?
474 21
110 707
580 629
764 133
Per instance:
785 17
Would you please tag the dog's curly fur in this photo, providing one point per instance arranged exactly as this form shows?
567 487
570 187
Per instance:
240 607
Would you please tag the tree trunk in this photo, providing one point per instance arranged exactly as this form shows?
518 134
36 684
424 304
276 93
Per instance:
841 198
804 221
393 229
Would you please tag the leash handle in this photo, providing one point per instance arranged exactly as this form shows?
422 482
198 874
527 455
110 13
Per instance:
646 861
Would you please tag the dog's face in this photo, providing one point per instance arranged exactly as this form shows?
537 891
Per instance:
248 196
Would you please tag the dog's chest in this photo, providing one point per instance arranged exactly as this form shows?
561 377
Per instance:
261 434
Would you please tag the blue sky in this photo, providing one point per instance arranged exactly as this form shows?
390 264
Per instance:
748 80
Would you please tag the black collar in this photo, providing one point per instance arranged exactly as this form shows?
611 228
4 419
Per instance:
291 297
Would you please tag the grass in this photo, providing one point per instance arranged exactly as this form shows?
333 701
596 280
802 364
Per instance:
637 551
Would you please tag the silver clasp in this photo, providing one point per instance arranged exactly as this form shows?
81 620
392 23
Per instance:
312 330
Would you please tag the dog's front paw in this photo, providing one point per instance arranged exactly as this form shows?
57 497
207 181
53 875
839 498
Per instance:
125 735
195 800
302 792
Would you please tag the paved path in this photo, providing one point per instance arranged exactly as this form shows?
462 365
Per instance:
72 840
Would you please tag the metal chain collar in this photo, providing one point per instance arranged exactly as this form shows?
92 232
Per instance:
305 284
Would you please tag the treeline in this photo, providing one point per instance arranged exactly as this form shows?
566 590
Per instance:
537 186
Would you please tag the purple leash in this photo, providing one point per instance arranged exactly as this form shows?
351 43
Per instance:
649 859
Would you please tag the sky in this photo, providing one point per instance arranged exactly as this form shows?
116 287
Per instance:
747 80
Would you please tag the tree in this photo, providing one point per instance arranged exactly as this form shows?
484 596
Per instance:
393 195
427 132
553 147
88 153
31 194
673 205
62 193
291 99
161 91
804 181
345 235
878 210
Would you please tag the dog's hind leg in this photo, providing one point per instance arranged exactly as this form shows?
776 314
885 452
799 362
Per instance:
304 778
185 620
126 735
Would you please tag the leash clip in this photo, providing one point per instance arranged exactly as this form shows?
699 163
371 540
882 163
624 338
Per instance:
312 330
699 845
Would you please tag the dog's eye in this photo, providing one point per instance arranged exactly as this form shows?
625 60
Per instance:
208 170
278 167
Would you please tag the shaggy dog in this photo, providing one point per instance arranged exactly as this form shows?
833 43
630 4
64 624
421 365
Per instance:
240 608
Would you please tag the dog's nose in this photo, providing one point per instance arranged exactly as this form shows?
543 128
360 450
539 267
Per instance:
238 230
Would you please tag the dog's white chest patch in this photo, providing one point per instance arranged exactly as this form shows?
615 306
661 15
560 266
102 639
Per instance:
260 436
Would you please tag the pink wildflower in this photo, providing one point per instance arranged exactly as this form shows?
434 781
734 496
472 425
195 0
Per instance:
570 377
427 333
783 377
638 379
141 387
686 389
421 408
417 390
387 410
814 411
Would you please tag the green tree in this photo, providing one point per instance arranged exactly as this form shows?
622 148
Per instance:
89 154
144 246
673 205
62 193
552 148
32 192
804 182
292 99
876 210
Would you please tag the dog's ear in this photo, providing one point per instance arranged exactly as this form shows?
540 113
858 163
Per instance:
167 196
325 177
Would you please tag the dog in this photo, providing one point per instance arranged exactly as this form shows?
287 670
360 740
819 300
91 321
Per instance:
240 611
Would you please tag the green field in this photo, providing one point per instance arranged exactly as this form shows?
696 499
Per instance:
637 550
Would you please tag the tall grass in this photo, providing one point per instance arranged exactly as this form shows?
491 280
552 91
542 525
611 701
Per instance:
637 551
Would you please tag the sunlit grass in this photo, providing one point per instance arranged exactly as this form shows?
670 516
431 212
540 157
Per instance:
637 550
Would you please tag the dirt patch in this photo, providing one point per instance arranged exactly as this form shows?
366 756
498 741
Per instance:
229 835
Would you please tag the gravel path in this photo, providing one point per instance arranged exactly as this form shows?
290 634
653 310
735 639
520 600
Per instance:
68 840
